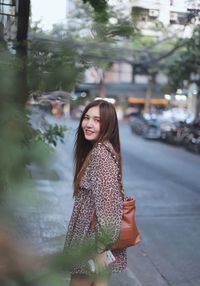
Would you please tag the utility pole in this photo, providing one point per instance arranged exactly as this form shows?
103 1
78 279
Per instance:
22 14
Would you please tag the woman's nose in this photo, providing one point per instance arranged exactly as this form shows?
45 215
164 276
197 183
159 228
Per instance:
90 123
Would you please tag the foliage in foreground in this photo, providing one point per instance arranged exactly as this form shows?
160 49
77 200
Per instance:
20 148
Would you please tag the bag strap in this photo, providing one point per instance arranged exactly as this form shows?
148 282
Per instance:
93 221
121 189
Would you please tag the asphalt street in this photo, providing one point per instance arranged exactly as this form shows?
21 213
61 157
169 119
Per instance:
166 183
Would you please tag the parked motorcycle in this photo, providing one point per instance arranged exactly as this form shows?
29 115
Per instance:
192 138
146 125
182 133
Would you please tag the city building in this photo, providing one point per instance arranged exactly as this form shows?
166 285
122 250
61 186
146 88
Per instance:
155 18
152 15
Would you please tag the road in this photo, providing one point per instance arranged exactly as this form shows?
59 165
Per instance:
166 183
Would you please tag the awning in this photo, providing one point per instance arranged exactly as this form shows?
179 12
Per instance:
153 101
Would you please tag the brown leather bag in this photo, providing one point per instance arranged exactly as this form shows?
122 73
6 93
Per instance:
129 234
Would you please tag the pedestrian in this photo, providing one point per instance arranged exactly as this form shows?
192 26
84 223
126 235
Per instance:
97 183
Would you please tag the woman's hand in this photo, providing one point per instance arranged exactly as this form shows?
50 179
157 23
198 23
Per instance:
101 262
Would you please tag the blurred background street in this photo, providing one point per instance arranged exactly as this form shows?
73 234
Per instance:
142 56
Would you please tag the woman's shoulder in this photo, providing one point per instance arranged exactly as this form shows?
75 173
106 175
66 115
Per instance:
103 150
99 148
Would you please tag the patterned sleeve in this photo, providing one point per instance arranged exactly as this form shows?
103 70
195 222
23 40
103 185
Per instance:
106 194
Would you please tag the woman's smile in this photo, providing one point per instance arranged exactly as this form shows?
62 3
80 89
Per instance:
88 132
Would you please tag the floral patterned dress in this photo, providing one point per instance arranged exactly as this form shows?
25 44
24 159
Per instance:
99 191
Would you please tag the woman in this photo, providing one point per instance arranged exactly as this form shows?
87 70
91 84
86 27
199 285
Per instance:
97 185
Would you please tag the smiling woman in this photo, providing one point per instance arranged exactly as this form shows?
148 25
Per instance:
55 13
97 189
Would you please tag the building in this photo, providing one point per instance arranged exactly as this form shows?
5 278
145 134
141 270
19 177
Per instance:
154 18
165 11
152 15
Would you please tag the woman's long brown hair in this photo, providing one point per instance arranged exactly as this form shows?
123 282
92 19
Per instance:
109 131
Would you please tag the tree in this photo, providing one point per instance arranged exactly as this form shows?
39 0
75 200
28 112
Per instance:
187 62
186 66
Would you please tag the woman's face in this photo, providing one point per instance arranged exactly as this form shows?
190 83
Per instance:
91 123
